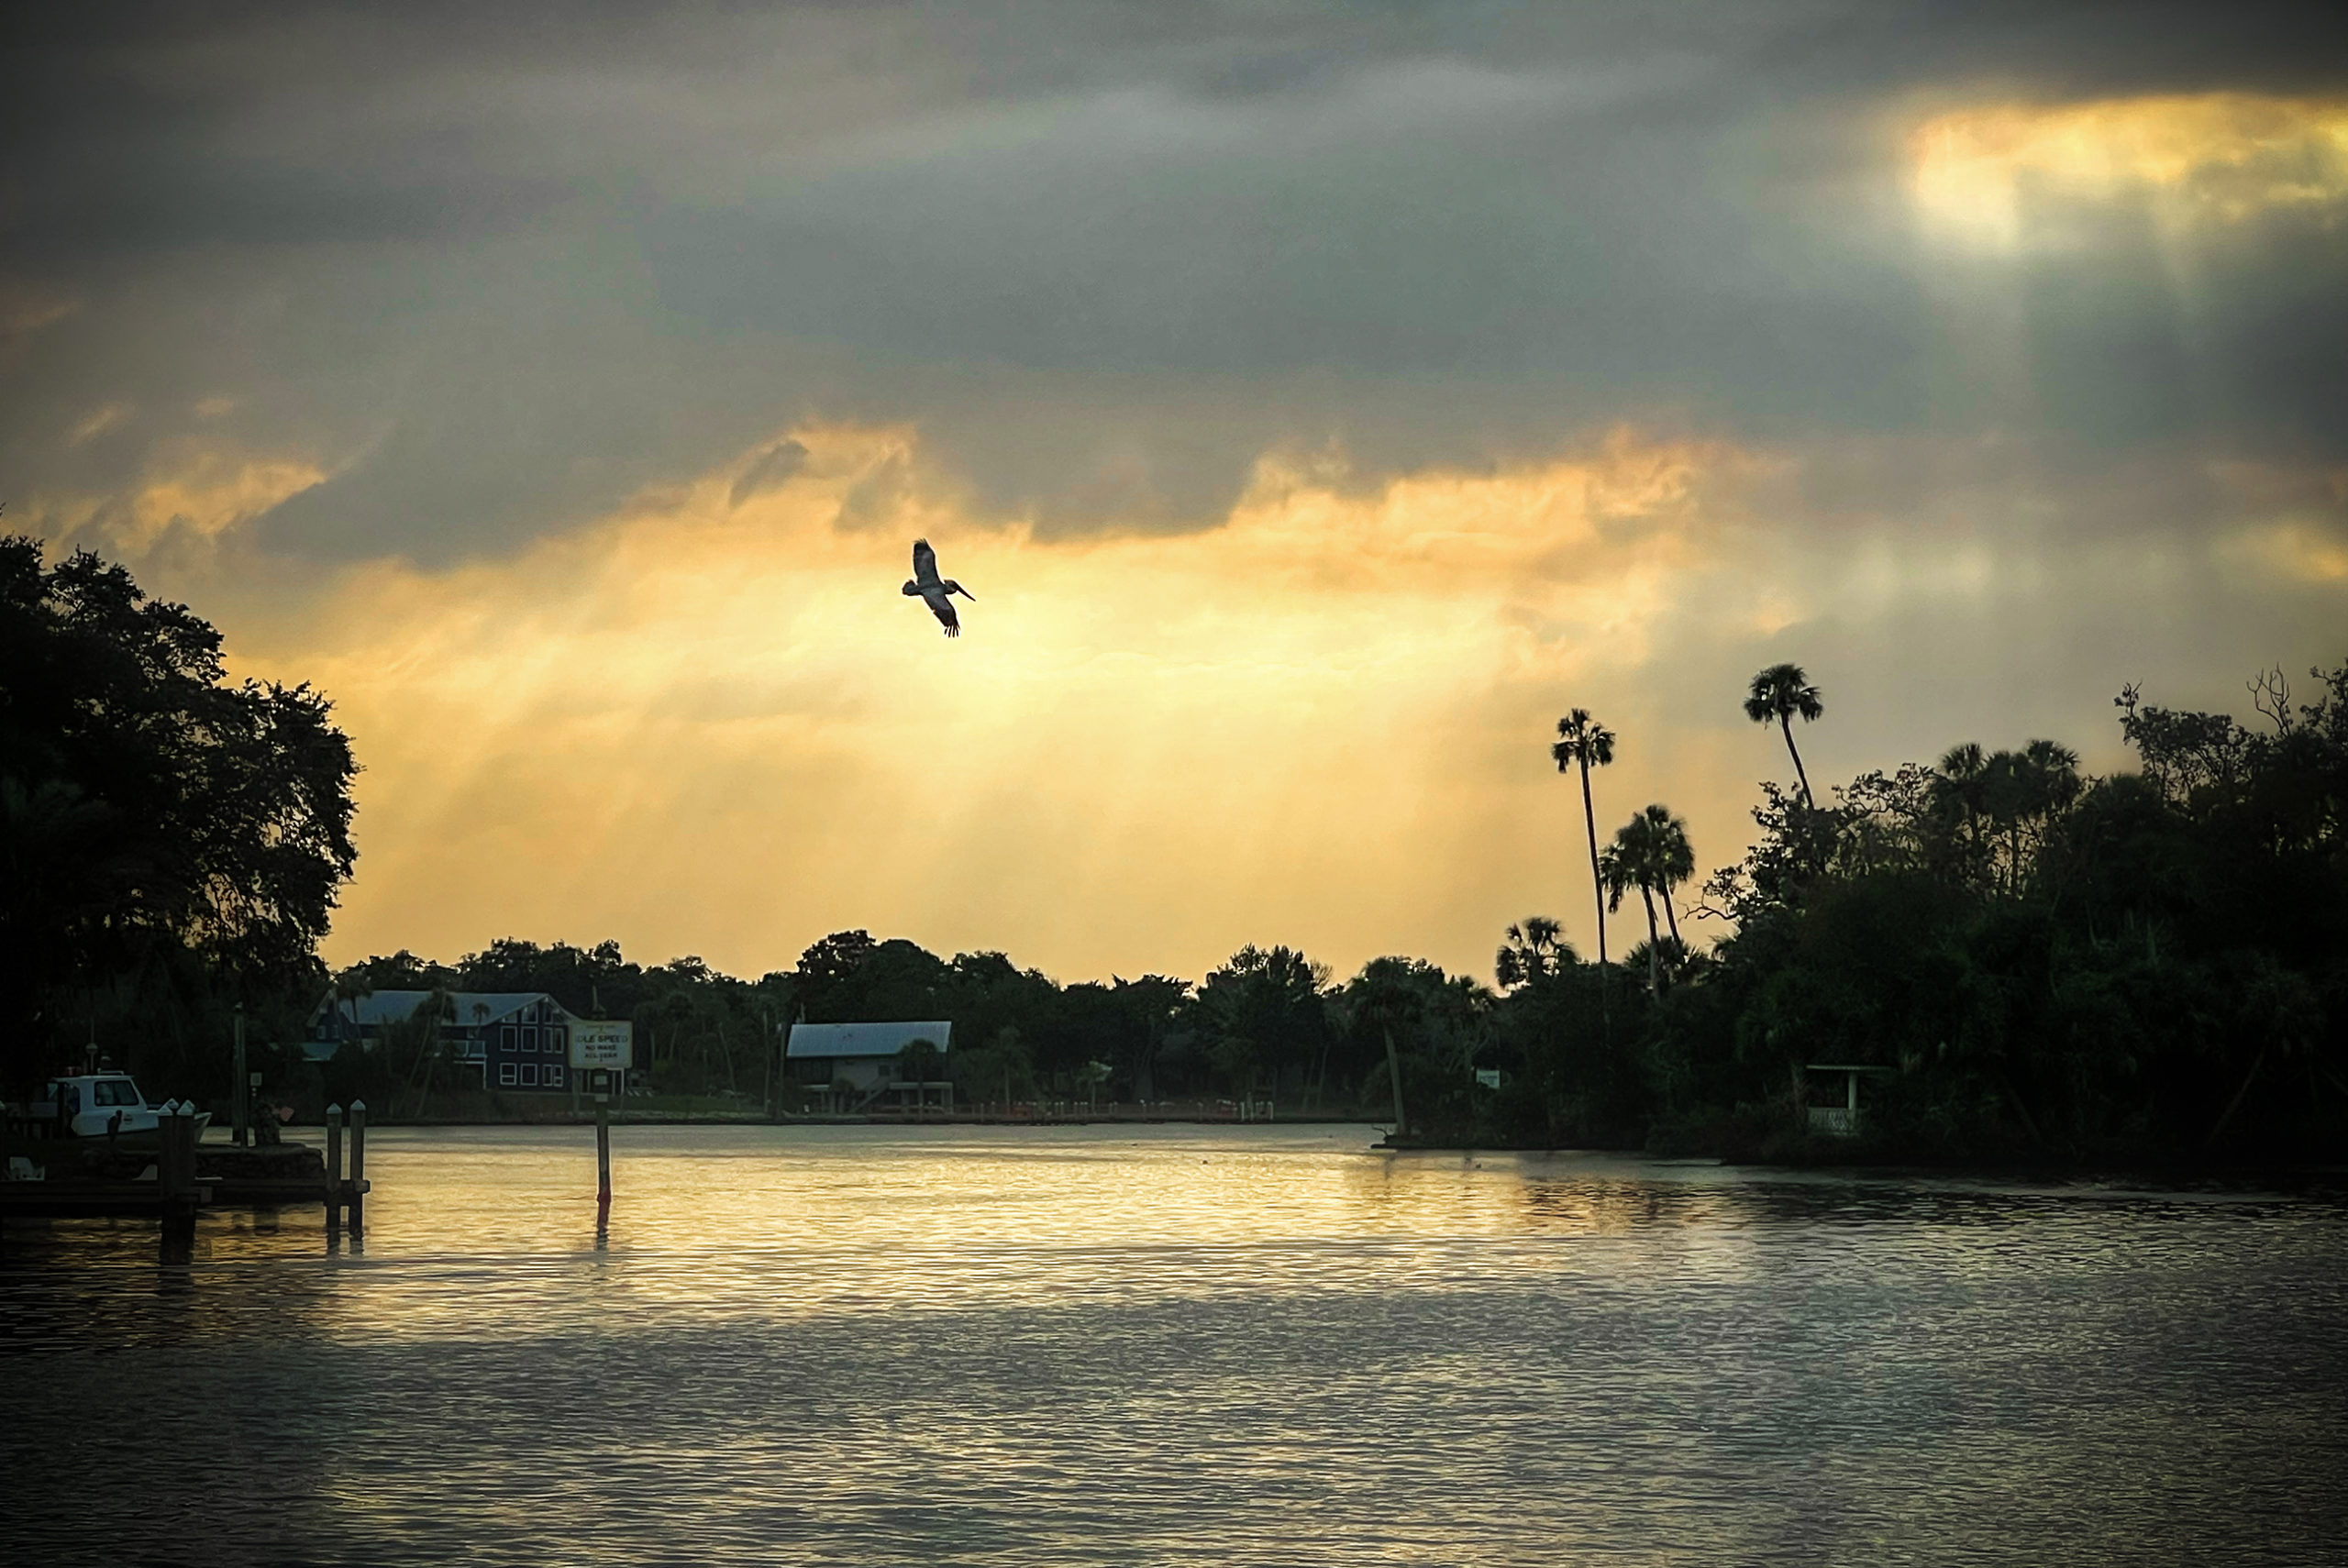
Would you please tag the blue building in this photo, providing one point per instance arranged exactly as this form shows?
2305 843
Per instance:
519 1040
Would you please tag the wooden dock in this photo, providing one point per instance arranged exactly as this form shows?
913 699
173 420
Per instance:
89 1178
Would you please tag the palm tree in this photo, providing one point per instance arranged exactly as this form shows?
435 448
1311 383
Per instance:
2054 771
351 986
1382 998
1781 692
1585 743
1624 865
1651 852
1093 1074
1671 859
440 1003
2024 791
1536 950
1961 786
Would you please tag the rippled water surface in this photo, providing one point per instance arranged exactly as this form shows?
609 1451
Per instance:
1243 1345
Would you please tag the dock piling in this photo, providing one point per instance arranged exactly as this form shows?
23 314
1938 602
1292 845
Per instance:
240 1093
333 1169
175 1179
357 1190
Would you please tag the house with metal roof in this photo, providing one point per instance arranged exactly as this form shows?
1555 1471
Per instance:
519 1040
856 1065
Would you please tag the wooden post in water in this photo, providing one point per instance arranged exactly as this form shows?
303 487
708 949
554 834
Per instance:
175 1178
602 1158
333 1169
357 1188
240 1096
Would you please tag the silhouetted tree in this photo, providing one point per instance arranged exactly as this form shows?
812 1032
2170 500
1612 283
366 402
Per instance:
1781 693
1670 858
1533 951
160 829
1585 744
1643 856
1260 1012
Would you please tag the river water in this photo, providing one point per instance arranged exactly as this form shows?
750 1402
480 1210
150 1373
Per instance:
1178 1345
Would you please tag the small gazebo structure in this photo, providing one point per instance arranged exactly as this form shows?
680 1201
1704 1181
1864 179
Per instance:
1835 1121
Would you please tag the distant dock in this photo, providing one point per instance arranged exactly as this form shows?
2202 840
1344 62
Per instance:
170 1176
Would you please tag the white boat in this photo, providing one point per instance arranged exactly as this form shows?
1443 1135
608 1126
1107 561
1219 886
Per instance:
101 1105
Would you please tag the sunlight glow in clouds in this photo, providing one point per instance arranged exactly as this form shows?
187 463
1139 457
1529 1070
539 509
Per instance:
721 727
200 489
711 723
1977 174
468 375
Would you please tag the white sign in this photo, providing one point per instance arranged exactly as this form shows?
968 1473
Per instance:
601 1045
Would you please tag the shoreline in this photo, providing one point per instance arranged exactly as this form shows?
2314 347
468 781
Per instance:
737 1119
1872 1163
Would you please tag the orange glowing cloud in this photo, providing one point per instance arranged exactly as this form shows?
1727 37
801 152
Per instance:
718 726
711 723
1976 175
198 489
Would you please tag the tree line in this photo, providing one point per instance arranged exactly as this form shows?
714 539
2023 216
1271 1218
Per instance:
172 842
2032 962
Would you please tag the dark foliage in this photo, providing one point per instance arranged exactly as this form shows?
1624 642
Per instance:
2031 963
2041 966
170 842
2152 964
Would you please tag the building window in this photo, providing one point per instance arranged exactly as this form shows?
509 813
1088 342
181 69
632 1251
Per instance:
556 1038
506 1038
529 1075
554 1075
505 1074
529 1037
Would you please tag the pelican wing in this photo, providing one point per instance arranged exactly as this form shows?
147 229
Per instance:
943 608
925 564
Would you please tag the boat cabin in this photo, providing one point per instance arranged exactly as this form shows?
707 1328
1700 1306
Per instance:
97 1105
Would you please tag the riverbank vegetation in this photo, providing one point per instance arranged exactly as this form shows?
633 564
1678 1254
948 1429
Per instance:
2027 962
2030 964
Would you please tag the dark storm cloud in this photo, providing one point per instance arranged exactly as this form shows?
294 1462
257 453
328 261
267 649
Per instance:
771 468
495 268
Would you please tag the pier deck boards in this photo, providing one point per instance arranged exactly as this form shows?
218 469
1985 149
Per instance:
86 1178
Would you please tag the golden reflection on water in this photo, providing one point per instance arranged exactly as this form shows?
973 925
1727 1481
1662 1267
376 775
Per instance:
765 1223
1161 1344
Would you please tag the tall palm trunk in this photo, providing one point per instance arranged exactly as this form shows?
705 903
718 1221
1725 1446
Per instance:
1669 917
1394 1077
1597 883
1786 725
1654 950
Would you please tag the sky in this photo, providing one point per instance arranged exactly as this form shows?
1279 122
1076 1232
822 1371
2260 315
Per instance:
1318 401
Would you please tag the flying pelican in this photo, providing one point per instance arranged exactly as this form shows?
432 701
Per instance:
938 595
